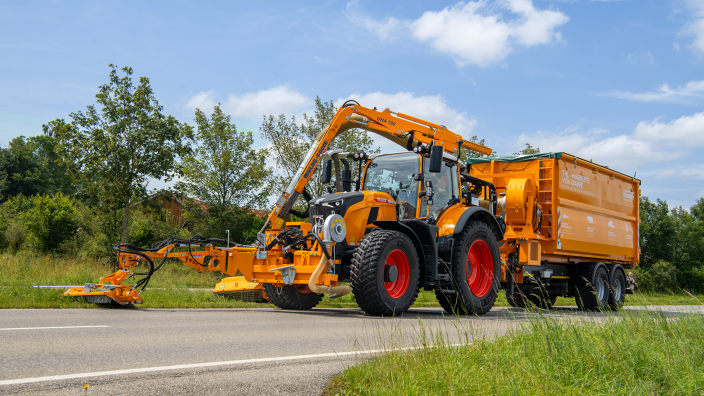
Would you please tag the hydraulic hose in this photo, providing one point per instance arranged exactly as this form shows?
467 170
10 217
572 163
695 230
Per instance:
334 291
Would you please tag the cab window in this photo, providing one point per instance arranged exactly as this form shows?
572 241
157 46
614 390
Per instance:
393 174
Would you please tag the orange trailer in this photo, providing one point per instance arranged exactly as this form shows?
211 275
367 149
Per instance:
571 227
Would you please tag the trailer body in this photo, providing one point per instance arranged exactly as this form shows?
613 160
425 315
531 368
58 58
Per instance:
563 214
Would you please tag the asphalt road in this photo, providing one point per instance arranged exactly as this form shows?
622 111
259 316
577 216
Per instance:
213 351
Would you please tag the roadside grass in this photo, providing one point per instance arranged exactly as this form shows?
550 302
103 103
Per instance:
176 286
626 353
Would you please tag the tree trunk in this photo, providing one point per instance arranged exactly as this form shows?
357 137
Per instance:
125 218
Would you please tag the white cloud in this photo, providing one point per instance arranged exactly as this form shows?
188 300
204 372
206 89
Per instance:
253 105
620 152
695 172
692 89
433 108
202 100
651 142
695 27
700 194
686 131
475 32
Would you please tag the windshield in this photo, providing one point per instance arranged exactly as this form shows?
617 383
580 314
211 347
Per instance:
393 174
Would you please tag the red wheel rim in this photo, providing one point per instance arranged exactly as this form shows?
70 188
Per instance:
304 289
398 259
480 268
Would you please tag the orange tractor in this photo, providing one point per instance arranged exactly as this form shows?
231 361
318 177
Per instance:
415 219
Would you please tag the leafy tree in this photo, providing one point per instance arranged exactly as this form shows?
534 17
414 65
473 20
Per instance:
475 154
20 170
28 166
656 232
528 149
115 146
224 169
290 142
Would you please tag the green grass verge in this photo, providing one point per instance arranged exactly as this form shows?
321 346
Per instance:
173 286
631 353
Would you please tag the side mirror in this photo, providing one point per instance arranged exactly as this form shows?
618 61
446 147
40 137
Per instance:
435 159
327 171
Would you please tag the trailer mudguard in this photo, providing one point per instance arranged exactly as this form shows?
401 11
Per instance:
481 214
424 238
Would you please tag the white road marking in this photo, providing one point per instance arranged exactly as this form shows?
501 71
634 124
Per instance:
57 327
21 381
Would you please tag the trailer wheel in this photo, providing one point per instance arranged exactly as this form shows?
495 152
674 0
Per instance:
476 268
298 297
385 273
594 296
617 292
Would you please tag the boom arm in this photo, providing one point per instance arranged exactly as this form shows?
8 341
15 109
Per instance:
403 129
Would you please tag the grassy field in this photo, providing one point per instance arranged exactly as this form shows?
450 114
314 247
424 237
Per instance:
174 286
630 353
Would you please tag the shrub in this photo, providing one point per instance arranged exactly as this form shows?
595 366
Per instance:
661 278
15 235
692 280
51 221
150 224
10 214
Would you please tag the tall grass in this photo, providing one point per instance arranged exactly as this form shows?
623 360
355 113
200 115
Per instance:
172 286
641 352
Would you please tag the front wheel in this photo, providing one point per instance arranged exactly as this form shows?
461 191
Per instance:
385 273
476 268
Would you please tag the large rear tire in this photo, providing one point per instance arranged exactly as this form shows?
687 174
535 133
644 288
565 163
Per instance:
385 273
594 295
617 292
476 269
298 297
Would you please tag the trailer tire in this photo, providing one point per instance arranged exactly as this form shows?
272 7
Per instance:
617 291
298 297
594 295
385 273
476 268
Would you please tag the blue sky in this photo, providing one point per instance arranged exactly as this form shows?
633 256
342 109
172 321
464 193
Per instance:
618 82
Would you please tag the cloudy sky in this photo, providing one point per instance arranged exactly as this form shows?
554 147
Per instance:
617 82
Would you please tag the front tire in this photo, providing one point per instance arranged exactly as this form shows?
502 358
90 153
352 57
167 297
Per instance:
385 273
476 269
298 297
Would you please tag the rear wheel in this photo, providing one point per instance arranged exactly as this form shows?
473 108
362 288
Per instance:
617 292
594 295
385 273
476 269
292 296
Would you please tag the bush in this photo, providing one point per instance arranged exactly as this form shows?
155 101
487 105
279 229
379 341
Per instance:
51 221
149 225
660 278
10 213
692 280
